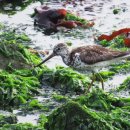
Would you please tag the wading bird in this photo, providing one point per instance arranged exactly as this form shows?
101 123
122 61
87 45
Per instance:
87 58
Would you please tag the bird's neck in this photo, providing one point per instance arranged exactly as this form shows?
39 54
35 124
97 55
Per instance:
66 58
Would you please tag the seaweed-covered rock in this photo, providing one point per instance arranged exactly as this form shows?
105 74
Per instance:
50 19
73 116
7 118
83 114
18 83
65 79
13 52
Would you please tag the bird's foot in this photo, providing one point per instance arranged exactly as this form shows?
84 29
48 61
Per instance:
91 84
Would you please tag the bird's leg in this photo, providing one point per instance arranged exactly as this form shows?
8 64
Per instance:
93 79
101 80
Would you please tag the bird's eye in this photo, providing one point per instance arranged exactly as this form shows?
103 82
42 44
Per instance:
58 49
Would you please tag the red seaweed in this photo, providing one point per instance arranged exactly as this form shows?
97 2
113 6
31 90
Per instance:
115 34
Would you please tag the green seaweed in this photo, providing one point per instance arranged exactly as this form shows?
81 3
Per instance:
69 43
106 74
42 120
121 67
7 119
16 89
101 101
59 98
1 26
66 79
125 84
116 11
34 106
72 17
21 126
35 103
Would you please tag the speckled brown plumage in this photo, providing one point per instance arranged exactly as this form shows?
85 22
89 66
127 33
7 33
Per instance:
93 53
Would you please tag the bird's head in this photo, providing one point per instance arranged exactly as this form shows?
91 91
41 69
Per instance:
60 49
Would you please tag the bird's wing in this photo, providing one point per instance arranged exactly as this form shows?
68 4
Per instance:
95 53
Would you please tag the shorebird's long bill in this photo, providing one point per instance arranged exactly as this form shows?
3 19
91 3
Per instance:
49 57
